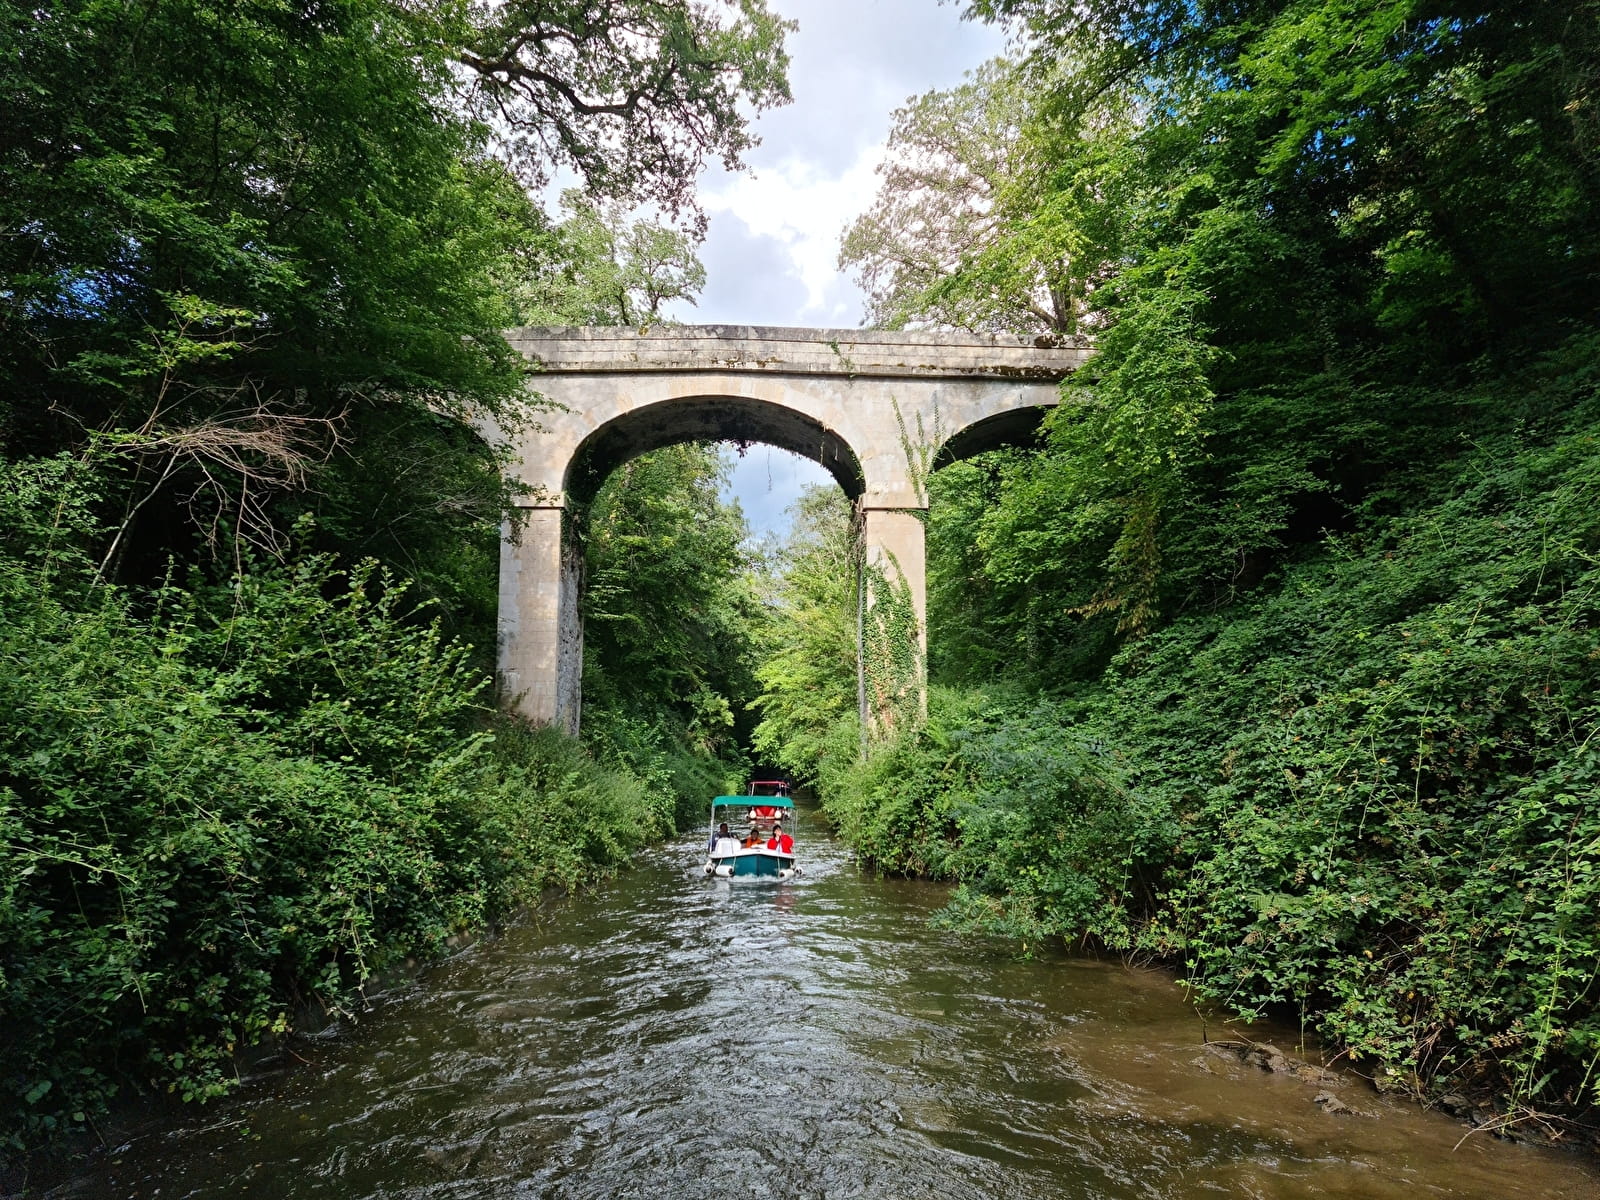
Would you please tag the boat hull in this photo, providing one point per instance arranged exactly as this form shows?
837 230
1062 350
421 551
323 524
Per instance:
756 863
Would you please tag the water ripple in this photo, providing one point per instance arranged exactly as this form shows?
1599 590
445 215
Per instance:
668 1036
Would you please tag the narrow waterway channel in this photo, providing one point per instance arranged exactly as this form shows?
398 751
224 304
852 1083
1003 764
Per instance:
669 1036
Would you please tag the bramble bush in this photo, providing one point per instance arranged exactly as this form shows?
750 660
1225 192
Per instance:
1004 794
220 804
1388 781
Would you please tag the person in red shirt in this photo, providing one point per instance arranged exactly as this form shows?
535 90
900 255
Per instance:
780 841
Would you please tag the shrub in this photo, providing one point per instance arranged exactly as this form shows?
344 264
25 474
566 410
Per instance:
219 804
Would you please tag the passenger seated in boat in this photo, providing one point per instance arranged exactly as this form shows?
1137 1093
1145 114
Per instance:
780 841
725 844
753 839
722 832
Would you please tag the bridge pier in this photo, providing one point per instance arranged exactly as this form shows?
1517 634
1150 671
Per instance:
895 542
878 410
540 629
892 644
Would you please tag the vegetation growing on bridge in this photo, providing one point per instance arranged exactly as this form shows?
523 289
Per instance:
1277 657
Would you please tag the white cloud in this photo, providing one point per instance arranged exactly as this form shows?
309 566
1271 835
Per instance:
773 240
814 173
805 209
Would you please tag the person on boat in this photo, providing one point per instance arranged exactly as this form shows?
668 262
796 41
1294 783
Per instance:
754 838
718 836
780 841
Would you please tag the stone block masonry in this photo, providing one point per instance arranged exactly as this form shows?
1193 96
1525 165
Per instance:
878 410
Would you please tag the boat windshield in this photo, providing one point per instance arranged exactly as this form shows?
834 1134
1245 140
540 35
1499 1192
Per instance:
777 803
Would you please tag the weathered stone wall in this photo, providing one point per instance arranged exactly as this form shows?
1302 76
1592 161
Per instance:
851 352
876 409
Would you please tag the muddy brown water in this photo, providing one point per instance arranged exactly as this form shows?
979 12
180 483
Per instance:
670 1036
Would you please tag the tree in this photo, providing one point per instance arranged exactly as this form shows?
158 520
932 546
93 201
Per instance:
1330 475
807 648
982 220
231 231
1449 147
668 608
1291 217
633 95
599 268
252 265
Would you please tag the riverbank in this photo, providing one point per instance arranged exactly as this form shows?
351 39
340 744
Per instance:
1361 790
312 1031
224 806
1294 902
612 1049
245 791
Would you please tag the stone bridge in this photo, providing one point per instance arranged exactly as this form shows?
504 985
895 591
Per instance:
877 410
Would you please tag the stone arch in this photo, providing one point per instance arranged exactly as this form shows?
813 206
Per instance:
867 405
673 419
710 418
1013 427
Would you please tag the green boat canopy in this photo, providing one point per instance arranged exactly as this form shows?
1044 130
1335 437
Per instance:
753 801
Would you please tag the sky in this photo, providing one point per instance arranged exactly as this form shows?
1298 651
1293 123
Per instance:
773 240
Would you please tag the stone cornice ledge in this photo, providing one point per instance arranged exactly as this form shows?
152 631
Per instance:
586 349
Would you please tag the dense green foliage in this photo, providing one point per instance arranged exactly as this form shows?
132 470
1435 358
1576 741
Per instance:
669 612
1367 790
1394 820
221 803
807 648
256 262
597 267
1276 656
233 231
241 239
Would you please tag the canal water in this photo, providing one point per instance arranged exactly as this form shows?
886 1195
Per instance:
671 1036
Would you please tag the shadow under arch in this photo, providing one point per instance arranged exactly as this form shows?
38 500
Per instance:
1014 427
710 418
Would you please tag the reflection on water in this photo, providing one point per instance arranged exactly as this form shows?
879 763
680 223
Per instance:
668 1036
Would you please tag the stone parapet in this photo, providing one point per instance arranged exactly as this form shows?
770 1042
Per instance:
853 353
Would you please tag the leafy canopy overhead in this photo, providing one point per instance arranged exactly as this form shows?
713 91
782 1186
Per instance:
1278 221
632 94
232 232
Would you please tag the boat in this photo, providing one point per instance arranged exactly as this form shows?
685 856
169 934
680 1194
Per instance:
767 803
